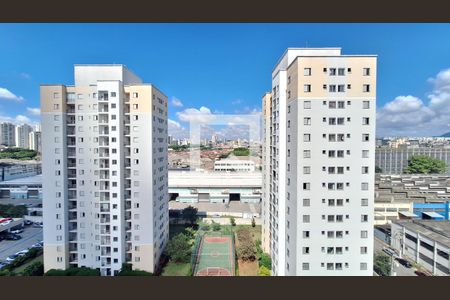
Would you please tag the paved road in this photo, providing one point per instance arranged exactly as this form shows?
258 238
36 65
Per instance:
30 236
400 270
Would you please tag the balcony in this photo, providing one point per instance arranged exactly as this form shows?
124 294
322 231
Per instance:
70 120
104 165
106 251
105 240
103 96
103 119
70 130
72 205
104 186
103 108
104 153
103 131
104 207
72 184
73 247
71 152
104 196
105 220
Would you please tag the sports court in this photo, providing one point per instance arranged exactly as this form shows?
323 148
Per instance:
215 256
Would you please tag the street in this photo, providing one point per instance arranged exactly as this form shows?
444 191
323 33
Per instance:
400 270
30 236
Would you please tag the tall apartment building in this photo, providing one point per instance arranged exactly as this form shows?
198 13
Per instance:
320 145
266 167
22 135
104 157
395 160
7 134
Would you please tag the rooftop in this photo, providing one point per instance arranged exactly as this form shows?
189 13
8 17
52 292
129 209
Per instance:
193 179
37 179
435 230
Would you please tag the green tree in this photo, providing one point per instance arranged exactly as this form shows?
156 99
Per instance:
190 214
82 271
378 169
127 270
263 271
35 269
253 222
421 164
232 221
241 152
382 264
12 211
18 153
215 226
179 248
265 261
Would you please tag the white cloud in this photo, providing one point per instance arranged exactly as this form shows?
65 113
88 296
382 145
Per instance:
34 111
411 116
7 95
19 119
202 115
236 102
176 130
177 102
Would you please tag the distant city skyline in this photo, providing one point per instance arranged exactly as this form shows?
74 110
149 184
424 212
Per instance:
220 68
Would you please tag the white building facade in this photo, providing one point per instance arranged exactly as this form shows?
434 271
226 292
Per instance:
319 190
104 158
234 165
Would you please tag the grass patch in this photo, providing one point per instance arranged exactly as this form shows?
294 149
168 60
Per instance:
177 269
21 268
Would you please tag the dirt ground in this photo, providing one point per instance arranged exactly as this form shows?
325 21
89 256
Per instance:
248 268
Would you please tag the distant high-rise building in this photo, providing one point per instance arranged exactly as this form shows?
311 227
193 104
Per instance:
214 139
34 141
170 140
7 134
319 148
105 192
22 135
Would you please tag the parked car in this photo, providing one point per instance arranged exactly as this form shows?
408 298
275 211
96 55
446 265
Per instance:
22 252
404 262
39 225
2 265
12 237
16 231
390 252
37 245
419 273
11 257
28 222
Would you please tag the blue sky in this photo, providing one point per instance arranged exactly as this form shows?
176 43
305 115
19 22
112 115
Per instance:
227 67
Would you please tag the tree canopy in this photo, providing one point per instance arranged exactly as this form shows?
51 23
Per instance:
189 214
179 248
382 264
421 164
18 153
